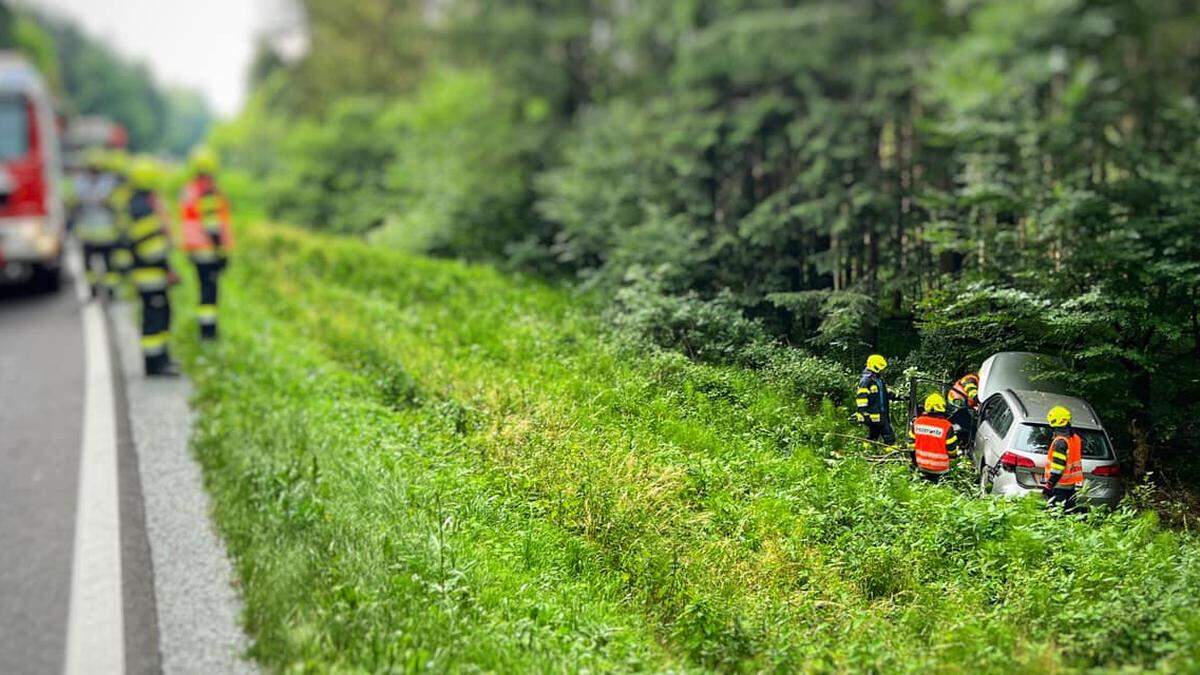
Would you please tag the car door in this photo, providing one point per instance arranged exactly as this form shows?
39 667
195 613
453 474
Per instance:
989 442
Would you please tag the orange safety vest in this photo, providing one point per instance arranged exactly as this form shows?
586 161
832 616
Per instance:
966 389
1073 474
207 230
931 434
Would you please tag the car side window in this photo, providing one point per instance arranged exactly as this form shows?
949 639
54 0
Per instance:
1004 420
997 414
988 412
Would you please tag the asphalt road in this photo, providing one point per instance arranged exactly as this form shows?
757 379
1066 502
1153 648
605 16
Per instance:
41 415
42 397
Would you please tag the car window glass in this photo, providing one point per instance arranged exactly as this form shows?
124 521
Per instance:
1004 419
989 410
14 128
1035 438
997 415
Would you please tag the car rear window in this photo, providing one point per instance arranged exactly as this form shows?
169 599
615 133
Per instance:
1035 438
14 128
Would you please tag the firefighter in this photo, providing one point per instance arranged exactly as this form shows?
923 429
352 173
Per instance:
935 439
149 245
95 224
207 235
966 391
1064 460
871 402
118 165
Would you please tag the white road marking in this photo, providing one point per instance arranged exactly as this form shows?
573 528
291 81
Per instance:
96 624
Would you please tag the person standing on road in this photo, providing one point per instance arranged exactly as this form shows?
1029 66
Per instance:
95 224
207 234
149 244
871 402
1064 460
935 439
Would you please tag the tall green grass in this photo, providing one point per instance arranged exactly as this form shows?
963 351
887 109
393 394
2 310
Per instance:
428 465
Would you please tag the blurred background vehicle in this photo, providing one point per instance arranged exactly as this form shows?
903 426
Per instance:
32 220
1010 443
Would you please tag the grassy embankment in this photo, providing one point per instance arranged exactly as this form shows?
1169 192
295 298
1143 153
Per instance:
427 464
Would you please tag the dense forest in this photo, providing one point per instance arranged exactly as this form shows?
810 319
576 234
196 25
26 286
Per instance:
936 179
90 78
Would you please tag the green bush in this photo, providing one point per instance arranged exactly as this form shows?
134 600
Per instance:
460 167
706 330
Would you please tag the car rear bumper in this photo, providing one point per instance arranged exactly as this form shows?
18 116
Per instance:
1095 491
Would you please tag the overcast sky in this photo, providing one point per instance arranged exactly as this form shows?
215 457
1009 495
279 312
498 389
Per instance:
203 44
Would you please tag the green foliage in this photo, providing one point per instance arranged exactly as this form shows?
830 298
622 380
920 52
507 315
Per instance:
459 167
1002 174
427 464
333 173
705 330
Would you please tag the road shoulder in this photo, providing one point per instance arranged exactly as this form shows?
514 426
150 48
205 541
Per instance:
198 608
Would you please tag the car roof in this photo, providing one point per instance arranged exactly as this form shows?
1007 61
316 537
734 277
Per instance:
1033 407
1015 370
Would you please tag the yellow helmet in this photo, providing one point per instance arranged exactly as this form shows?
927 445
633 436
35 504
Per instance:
1059 417
876 363
935 403
143 174
204 161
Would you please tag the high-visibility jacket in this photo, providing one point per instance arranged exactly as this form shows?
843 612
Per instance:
936 442
147 241
871 398
966 390
207 224
1064 461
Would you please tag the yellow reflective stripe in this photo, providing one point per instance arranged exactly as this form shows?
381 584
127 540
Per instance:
210 203
152 247
952 439
154 344
861 390
144 227
874 389
150 278
206 311
861 402
876 417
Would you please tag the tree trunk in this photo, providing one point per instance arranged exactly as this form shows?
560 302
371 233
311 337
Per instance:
1141 448
1196 320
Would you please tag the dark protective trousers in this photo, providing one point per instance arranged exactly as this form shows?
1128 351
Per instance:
209 274
151 281
1064 497
881 431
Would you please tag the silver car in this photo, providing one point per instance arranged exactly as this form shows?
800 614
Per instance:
1009 448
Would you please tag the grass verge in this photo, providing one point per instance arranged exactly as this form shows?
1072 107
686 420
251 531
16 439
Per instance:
422 464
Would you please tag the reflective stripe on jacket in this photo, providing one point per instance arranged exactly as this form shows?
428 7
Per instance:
1064 461
966 389
145 235
870 398
207 224
935 441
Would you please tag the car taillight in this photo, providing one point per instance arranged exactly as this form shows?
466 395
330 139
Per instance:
1107 470
1011 460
